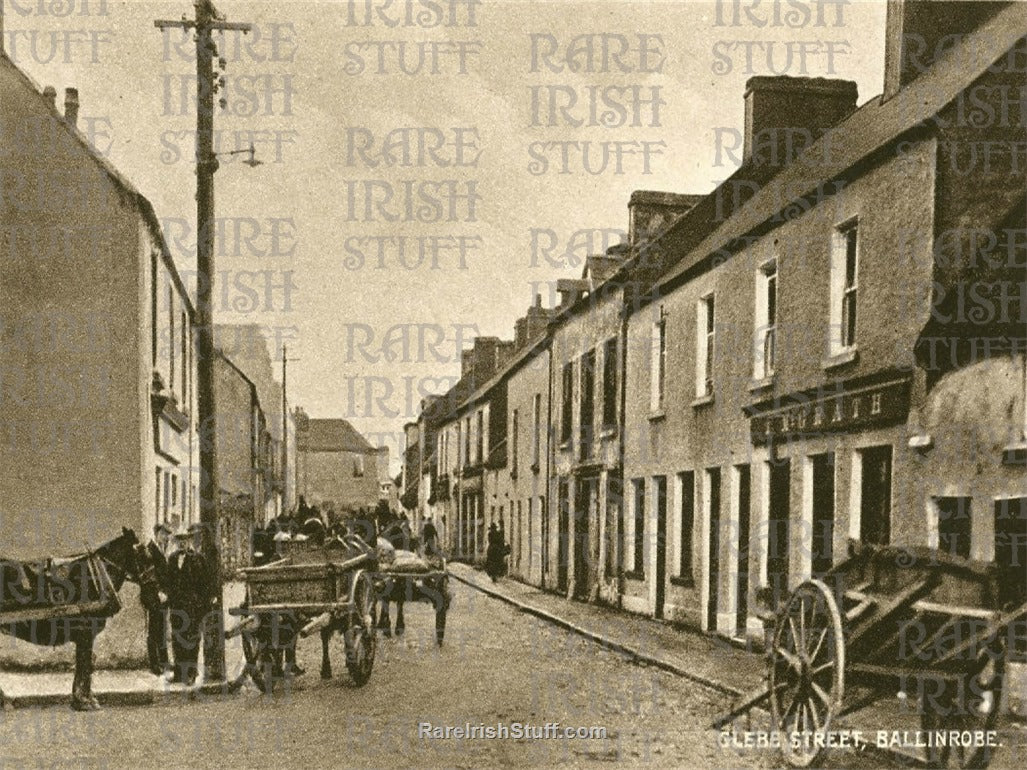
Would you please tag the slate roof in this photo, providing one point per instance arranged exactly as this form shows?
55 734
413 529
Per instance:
332 435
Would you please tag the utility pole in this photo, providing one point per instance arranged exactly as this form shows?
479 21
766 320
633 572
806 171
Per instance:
207 20
285 435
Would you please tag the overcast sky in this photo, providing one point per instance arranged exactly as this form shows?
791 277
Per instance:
308 201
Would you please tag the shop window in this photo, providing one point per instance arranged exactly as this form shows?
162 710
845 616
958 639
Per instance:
875 495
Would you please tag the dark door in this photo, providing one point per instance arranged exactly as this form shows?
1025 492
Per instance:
583 505
563 522
875 500
661 543
744 504
823 513
777 528
713 491
1011 560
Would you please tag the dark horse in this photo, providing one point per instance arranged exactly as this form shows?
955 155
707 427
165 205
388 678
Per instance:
51 602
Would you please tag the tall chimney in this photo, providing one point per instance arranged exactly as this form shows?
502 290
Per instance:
50 94
71 106
917 32
784 115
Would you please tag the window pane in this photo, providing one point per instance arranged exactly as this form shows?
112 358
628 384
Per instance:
850 257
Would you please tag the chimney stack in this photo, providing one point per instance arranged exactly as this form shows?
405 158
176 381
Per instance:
649 211
50 94
784 115
71 106
917 32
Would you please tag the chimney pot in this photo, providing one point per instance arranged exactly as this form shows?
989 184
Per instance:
71 105
50 94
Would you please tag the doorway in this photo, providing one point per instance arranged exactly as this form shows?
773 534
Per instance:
660 490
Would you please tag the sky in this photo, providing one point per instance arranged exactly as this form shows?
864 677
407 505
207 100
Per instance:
428 166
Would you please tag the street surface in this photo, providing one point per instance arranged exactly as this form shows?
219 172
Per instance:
497 665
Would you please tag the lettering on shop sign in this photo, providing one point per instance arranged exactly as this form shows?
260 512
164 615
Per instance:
804 415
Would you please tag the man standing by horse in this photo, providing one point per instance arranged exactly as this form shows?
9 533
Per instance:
156 616
189 599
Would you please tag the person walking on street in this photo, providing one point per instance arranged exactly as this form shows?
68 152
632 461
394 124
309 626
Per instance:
157 616
495 554
189 599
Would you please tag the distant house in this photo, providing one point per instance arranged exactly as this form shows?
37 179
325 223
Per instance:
336 468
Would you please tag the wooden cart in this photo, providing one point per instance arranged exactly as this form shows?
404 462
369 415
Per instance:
311 588
888 620
392 585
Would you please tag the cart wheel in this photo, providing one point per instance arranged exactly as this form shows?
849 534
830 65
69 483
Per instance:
807 670
359 636
973 705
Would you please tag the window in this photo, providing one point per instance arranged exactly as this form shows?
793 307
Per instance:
610 383
658 363
483 433
639 533
358 465
536 441
153 313
822 502
171 337
567 401
844 287
686 481
513 442
705 342
467 441
479 435
174 490
167 494
586 404
766 320
953 525
156 502
185 359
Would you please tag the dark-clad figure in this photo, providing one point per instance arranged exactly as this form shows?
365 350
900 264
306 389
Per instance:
430 539
189 598
495 554
157 616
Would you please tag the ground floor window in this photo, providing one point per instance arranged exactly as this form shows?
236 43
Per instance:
953 525
638 543
821 547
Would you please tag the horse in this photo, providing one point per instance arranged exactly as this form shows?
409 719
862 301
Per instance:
48 596
399 536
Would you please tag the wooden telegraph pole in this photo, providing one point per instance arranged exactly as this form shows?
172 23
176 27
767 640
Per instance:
207 21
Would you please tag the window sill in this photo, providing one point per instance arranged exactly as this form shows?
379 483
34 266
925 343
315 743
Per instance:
848 356
683 581
761 384
657 416
703 400
634 575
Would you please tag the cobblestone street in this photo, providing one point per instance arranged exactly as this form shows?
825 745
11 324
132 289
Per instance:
497 665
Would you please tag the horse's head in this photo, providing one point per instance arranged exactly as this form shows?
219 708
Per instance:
129 558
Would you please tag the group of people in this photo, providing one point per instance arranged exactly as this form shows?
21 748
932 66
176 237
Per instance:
186 596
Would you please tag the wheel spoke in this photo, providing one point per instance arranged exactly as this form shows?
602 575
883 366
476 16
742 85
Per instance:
791 658
819 644
794 633
813 713
802 624
821 693
822 667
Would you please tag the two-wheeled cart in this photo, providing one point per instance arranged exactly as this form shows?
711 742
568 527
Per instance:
890 620
313 587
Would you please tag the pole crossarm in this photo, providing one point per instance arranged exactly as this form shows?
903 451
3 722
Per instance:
216 26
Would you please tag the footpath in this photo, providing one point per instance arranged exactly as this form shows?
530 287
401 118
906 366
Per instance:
710 661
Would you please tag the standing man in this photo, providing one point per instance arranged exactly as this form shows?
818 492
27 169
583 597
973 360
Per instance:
189 600
157 617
